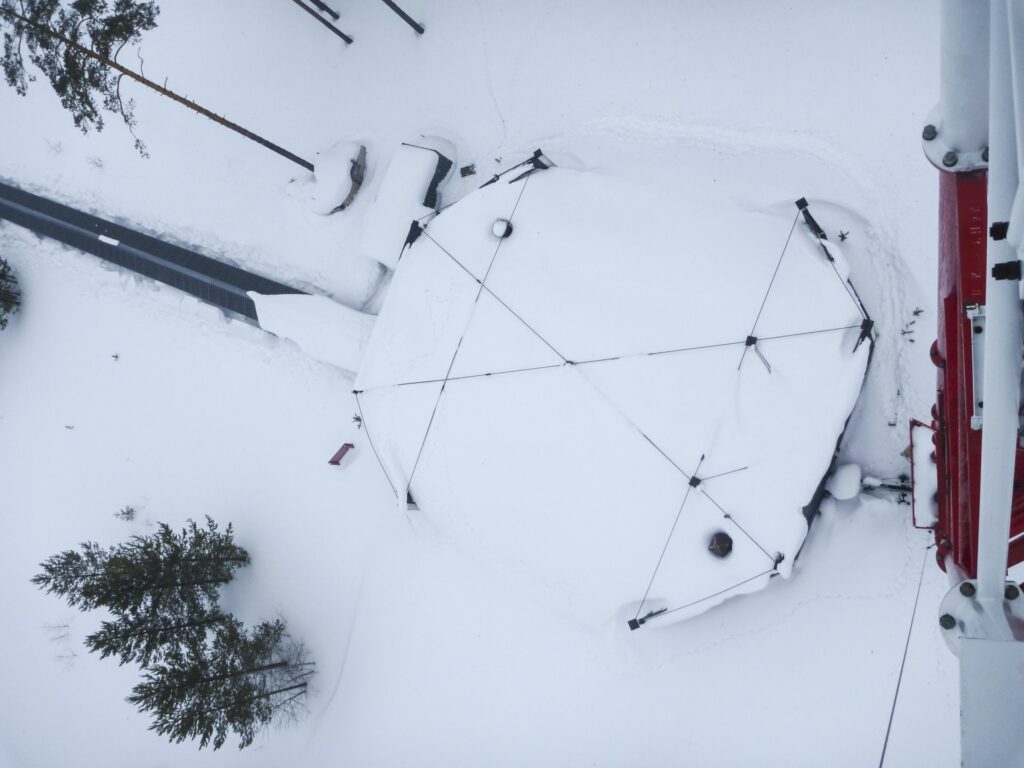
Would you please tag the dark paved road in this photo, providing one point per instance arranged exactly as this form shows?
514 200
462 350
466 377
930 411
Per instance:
207 279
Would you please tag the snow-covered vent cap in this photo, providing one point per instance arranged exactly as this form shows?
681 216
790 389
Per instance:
501 228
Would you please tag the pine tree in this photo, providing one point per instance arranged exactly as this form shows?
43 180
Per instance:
84 84
164 577
10 296
76 44
241 682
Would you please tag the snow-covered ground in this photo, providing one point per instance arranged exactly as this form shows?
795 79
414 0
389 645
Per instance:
429 652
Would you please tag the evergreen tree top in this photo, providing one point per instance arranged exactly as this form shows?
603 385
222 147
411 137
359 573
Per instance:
46 33
238 683
165 572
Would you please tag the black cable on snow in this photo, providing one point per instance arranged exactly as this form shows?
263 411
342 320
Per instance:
716 594
808 333
474 376
768 290
775 274
668 540
362 421
849 291
433 413
763 359
483 287
605 359
659 450
743 530
723 474
903 663
458 346
821 237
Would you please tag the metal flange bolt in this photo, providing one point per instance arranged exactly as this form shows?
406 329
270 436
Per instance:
946 621
984 154
950 159
929 132
967 589
1012 592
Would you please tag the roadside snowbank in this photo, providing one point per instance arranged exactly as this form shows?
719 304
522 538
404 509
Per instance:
323 329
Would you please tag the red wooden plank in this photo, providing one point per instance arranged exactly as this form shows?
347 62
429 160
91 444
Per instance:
337 457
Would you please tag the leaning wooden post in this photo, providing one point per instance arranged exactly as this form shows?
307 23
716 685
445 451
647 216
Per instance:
323 21
405 17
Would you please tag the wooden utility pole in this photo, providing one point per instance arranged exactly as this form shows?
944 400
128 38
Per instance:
326 9
323 21
89 53
405 17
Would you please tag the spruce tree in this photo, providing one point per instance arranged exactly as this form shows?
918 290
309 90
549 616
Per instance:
146 639
241 682
10 295
152 575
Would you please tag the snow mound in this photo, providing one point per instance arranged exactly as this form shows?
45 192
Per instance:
401 199
590 402
844 483
926 482
332 182
324 329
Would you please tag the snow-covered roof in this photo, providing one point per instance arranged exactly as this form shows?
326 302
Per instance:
401 198
580 404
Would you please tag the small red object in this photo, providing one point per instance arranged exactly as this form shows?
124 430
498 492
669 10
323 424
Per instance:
336 458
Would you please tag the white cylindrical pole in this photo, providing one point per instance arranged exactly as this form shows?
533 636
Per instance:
963 75
1002 336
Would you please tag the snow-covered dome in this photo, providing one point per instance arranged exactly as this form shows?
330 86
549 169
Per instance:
588 403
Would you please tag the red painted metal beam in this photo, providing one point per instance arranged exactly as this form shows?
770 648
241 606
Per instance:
963 235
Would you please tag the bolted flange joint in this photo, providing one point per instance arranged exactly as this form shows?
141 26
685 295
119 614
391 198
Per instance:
950 159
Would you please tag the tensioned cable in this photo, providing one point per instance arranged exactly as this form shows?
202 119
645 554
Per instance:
474 376
458 346
716 594
617 410
807 333
370 441
436 211
658 448
761 357
771 282
497 298
668 540
482 286
723 474
906 647
743 530
629 356
846 285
